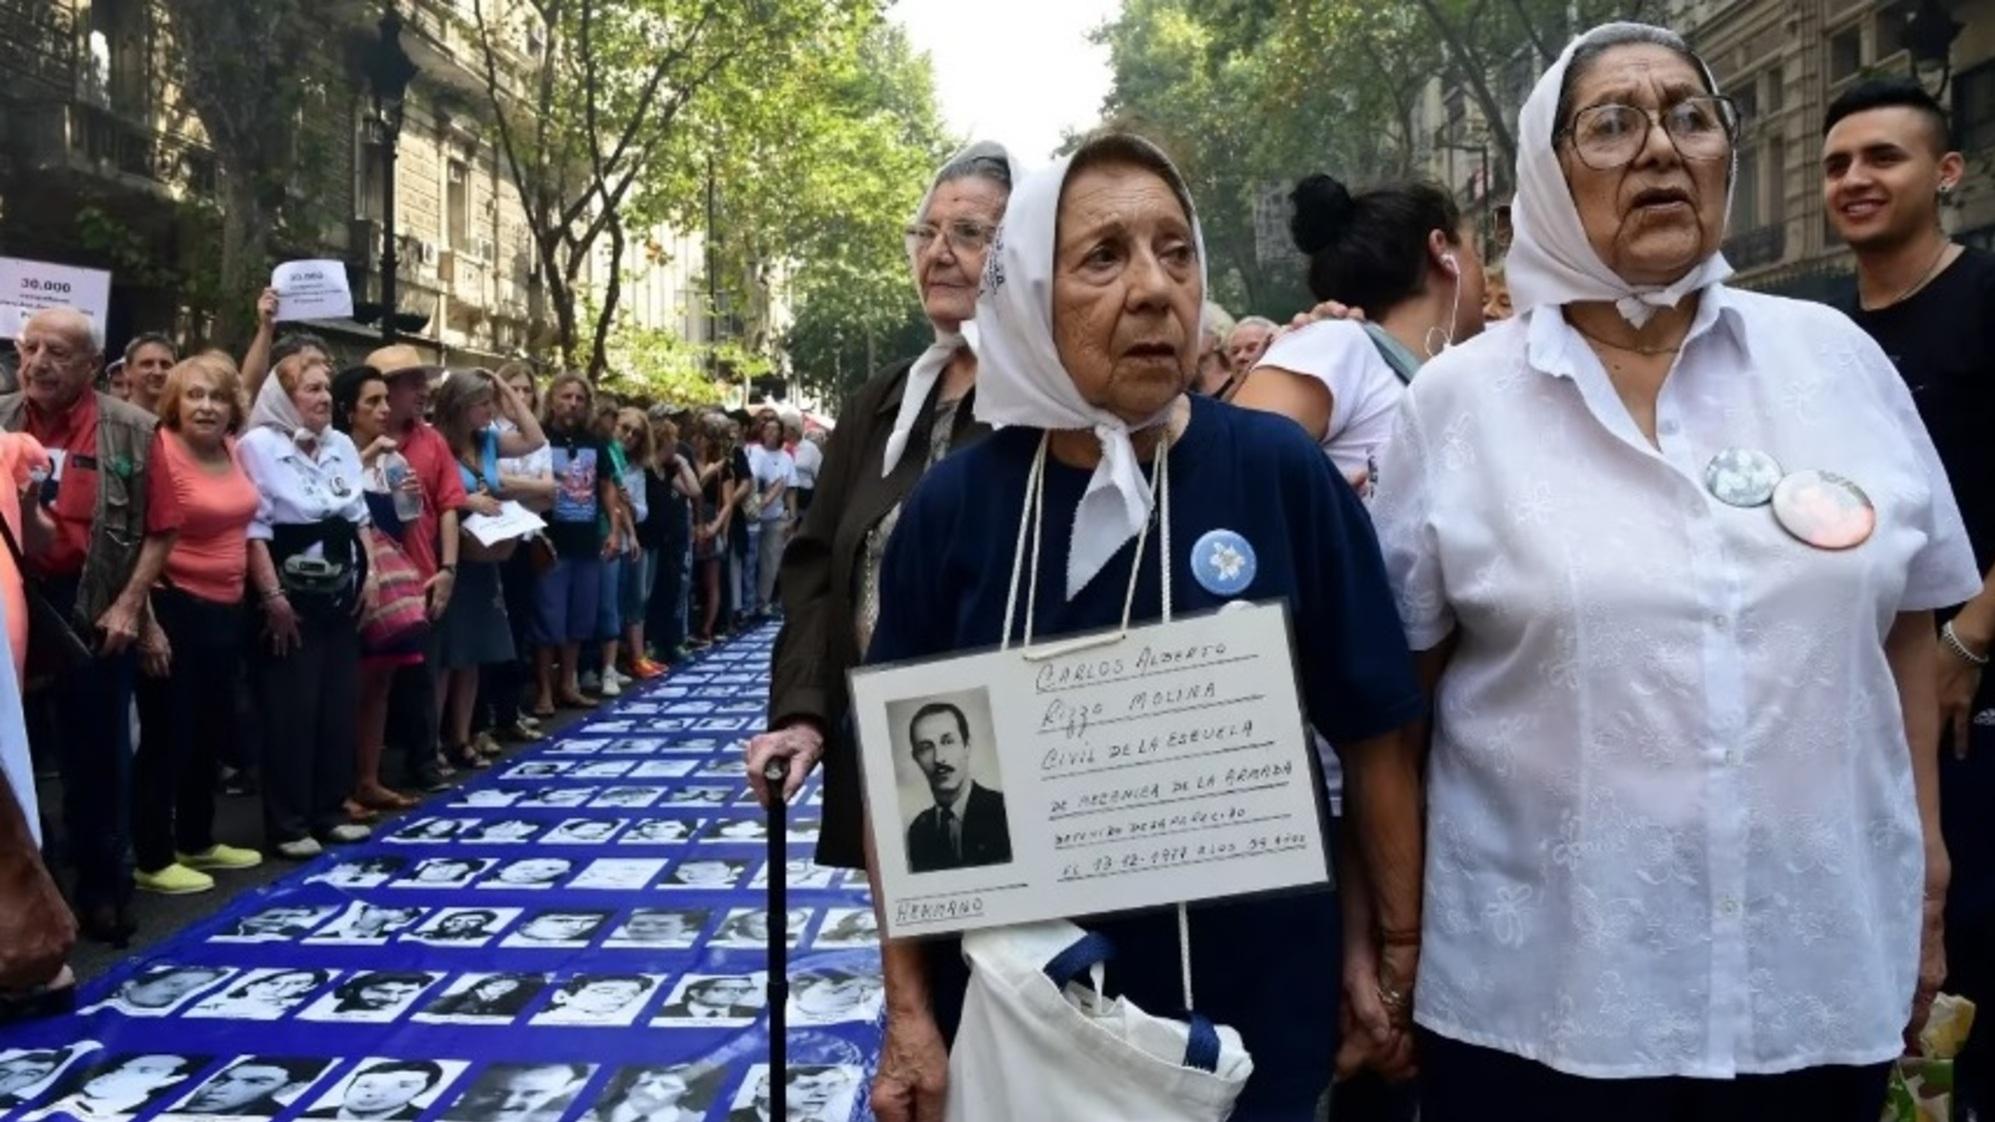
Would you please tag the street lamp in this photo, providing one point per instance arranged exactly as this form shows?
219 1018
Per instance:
389 71
1929 37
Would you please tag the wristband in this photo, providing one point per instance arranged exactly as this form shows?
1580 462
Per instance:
1389 937
1959 649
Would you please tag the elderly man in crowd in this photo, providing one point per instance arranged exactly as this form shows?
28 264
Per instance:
1248 341
97 558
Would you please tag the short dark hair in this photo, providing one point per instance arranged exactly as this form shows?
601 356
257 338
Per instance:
352 986
1369 250
702 985
937 708
430 1070
151 339
318 976
1621 35
1891 92
581 982
346 387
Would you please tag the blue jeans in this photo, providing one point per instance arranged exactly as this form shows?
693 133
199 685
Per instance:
565 601
745 601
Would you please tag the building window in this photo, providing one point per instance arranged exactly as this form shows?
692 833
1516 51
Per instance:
373 178
1845 53
1776 89
1745 194
1891 25
1776 182
1746 97
1974 108
459 206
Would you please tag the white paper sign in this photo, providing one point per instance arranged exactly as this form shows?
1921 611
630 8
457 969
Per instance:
512 521
311 290
1169 765
27 287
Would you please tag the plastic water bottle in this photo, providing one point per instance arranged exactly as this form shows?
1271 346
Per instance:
394 471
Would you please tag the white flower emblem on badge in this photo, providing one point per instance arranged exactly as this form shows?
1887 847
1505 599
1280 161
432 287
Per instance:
1223 563
1227 561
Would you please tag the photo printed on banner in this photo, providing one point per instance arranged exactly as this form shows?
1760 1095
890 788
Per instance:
155 991
813 1093
706 873
112 1088
661 831
701 796
830 995
628 797
520 1092
598 1000
530 873
618 873
373 997
279 923
430 831
558 796
367 925
848 927
483 999
250 1087
444 872
658 1093
798 872
737 830
558 927
663 769
536 769
748 928
390 1090
26 1073
584 831
462 927
485 797
501 831
263 995
360 872
714 1000
676 928
602 769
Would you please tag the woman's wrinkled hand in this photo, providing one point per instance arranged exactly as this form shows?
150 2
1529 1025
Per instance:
1932 969
800 743
280 625
1377 1025
913 1076
1329 309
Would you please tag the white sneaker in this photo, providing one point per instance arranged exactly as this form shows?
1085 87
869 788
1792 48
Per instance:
300 849
589 682
611 686
621 678
349 833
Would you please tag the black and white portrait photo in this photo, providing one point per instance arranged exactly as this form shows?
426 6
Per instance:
367 925
360 872
559 796
658 1093
156 991
599 1000
562 927
601 769
848 927
628 796
801 830
828 995
262 995
700 796
372 997
530 873
462 927
663 769
946 774
522 1092
27 1072
430 831
118 1087
537 769
387 1090
444 872
501 831
798 872
658 927
485 797
813 1093
483 999
738 830
279 923
722 769
618 873
251 1087
747 928
660 831
713 999
584 831
706 872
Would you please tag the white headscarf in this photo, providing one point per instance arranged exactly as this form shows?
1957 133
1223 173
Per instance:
927 368
1550 260
1020 380
275 409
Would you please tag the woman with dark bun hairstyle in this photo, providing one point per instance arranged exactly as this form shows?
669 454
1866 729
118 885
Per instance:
1401 253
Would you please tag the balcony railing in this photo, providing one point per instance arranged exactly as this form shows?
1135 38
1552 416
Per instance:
1763 245
95 139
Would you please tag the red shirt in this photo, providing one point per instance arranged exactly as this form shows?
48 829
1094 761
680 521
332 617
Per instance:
211 510
429 457
71 440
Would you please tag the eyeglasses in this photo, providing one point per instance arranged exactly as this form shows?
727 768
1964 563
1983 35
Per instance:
1606 137
965 236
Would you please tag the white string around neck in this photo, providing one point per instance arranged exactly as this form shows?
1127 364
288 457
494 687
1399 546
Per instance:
1031 523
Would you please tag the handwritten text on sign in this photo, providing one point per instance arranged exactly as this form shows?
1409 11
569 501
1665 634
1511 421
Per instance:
1169 765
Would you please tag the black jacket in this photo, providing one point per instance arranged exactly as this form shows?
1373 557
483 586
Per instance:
986 835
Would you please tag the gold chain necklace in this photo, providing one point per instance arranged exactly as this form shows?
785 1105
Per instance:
1649 352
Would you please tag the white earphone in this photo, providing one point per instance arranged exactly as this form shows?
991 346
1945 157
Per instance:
1453 266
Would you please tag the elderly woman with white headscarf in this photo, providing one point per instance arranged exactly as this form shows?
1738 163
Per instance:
902 421
1672 551
1088 338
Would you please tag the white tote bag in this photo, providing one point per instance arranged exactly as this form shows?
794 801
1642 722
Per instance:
1036 1044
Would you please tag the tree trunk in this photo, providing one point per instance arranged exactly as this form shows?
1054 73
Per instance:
612 293
1468 68
245 266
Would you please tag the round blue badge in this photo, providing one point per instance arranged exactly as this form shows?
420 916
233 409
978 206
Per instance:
1223 562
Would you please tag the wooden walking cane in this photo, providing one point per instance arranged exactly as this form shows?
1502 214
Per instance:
777 772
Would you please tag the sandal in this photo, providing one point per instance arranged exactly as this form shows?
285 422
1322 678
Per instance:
381 798
52 998
357 811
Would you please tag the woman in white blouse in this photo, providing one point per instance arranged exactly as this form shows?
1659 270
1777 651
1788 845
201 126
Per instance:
309 569
1682 815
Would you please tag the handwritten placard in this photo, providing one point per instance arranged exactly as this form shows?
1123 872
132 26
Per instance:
27 287
311 290
1091 776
